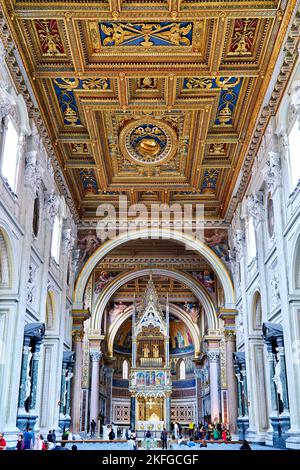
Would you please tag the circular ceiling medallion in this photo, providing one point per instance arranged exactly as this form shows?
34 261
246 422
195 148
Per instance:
148 141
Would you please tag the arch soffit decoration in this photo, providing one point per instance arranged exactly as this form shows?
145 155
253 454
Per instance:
191 242
174 309
198 290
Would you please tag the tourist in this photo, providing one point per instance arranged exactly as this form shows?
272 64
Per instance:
215 433
207 435
111 435
148 439
74 447
191 442
245 445
28 439
228 435
203 443
2 441
53 436
164 438
132 444
49 436
176 430
127 436
93 427
59 446
224 435
191 428
38 445
20 442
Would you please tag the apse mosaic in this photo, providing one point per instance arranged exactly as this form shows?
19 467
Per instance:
123 338
180 337
146 34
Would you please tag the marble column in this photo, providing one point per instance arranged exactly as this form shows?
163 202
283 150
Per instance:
63 389
68 395
240 394
198 374
95 383
283 378
231 381
79 317
24 369
78 343
168 413
245 387
271 367
132 412
213 357
108 371
35 368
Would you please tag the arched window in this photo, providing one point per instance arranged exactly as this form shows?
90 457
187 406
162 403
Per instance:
125 370
56 239
10 160
294 152
182 370
251 240
36 216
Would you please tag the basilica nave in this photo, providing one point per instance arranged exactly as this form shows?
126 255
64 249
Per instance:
143 110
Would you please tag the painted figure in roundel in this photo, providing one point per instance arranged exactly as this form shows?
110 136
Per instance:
87 244
101 281
218 242
115 311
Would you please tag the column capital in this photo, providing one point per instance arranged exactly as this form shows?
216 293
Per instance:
95 356
213 356
272 171
228 316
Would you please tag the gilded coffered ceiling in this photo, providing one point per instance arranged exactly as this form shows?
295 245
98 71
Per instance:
153 99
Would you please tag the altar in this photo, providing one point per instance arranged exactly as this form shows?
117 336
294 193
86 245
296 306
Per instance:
150 425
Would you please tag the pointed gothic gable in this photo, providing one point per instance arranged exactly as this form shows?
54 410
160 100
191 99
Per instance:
150 312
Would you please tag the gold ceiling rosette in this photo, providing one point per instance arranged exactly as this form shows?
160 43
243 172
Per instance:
148 141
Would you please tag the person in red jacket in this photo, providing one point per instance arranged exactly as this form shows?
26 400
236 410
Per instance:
2 442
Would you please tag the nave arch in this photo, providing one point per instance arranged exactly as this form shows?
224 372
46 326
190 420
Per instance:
153 233
174 309
199 291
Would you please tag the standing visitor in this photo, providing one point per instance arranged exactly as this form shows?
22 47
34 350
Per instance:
93 427
176 430
49 437
164 438
2 441
111 435
38 445
224 435
20 442
28 439
53 436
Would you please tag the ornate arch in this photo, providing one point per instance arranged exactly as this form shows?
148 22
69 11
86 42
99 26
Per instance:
177 311
153 233
119 281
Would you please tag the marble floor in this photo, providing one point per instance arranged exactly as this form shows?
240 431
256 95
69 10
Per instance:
174 446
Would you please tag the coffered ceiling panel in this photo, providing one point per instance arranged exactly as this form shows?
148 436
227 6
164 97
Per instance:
155 100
